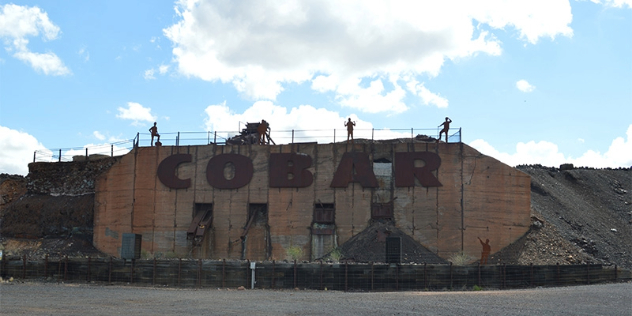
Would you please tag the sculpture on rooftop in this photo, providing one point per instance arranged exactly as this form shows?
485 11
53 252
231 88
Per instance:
349 124
446 127
154 133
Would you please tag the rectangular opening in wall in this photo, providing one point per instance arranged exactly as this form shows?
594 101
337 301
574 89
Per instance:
202 220
258 214
382 210
324 213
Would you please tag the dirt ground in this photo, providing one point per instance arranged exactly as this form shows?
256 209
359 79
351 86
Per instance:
83 299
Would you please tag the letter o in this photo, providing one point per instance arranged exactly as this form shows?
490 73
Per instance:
215 171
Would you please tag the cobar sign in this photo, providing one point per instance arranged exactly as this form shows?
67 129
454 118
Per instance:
290 170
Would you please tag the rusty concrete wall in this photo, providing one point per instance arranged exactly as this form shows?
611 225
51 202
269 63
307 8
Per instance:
479 197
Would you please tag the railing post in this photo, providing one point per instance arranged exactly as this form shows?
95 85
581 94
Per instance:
112 150
215 138
372 134
59 155
208 137
334 135
34 155
23 267
137 139
86 153
292 136
295 279
412 138
178 139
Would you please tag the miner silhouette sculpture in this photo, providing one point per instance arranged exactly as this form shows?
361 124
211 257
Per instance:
487 249
349 124
154 133
446 127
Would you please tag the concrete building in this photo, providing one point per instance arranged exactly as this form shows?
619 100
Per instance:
258 202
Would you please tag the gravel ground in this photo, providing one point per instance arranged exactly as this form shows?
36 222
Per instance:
82 299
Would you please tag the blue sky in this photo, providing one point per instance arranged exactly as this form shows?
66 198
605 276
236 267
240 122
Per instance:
545 82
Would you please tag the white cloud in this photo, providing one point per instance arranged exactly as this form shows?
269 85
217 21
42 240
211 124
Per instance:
260 46
98 135
162 69
619 154
19 22
309 123
84 53
17 150
136 112
524 86
614 3
149 74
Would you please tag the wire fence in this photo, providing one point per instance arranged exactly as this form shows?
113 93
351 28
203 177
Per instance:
84 153
342 276
237 138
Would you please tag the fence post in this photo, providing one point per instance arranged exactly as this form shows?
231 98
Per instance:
23 267
131 275
372 275
479 274
295 274
397 276
247 273
450 275
215 138
65 268
587 274
34 155
153 278
112 150
412 138
45 266
372 134
334 135
615 273
224 273
346 266
86 153
199 280
425 277
531 274
59 155
179 270
273 266
110 272
558 274
88 274
321 274
178 140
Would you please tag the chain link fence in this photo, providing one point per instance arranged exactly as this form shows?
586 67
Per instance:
341 276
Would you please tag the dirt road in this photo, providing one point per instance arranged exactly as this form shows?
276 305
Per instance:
81 299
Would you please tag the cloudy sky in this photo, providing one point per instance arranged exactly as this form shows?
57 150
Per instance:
529 82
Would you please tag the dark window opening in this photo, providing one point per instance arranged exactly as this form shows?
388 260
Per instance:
324 213
258 214
382 160
202 220
382 210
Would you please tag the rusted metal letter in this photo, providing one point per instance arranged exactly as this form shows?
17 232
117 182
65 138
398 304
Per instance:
290 171
406 172
242 176
354 167
167 171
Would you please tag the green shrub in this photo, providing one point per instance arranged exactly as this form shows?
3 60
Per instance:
295 252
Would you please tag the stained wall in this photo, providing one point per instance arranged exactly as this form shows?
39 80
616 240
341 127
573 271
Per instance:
478 197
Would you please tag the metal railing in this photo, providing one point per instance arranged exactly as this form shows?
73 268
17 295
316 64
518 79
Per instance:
235 137
297 136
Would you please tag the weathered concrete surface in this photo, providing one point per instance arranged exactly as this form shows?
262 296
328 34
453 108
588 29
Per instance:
479 197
